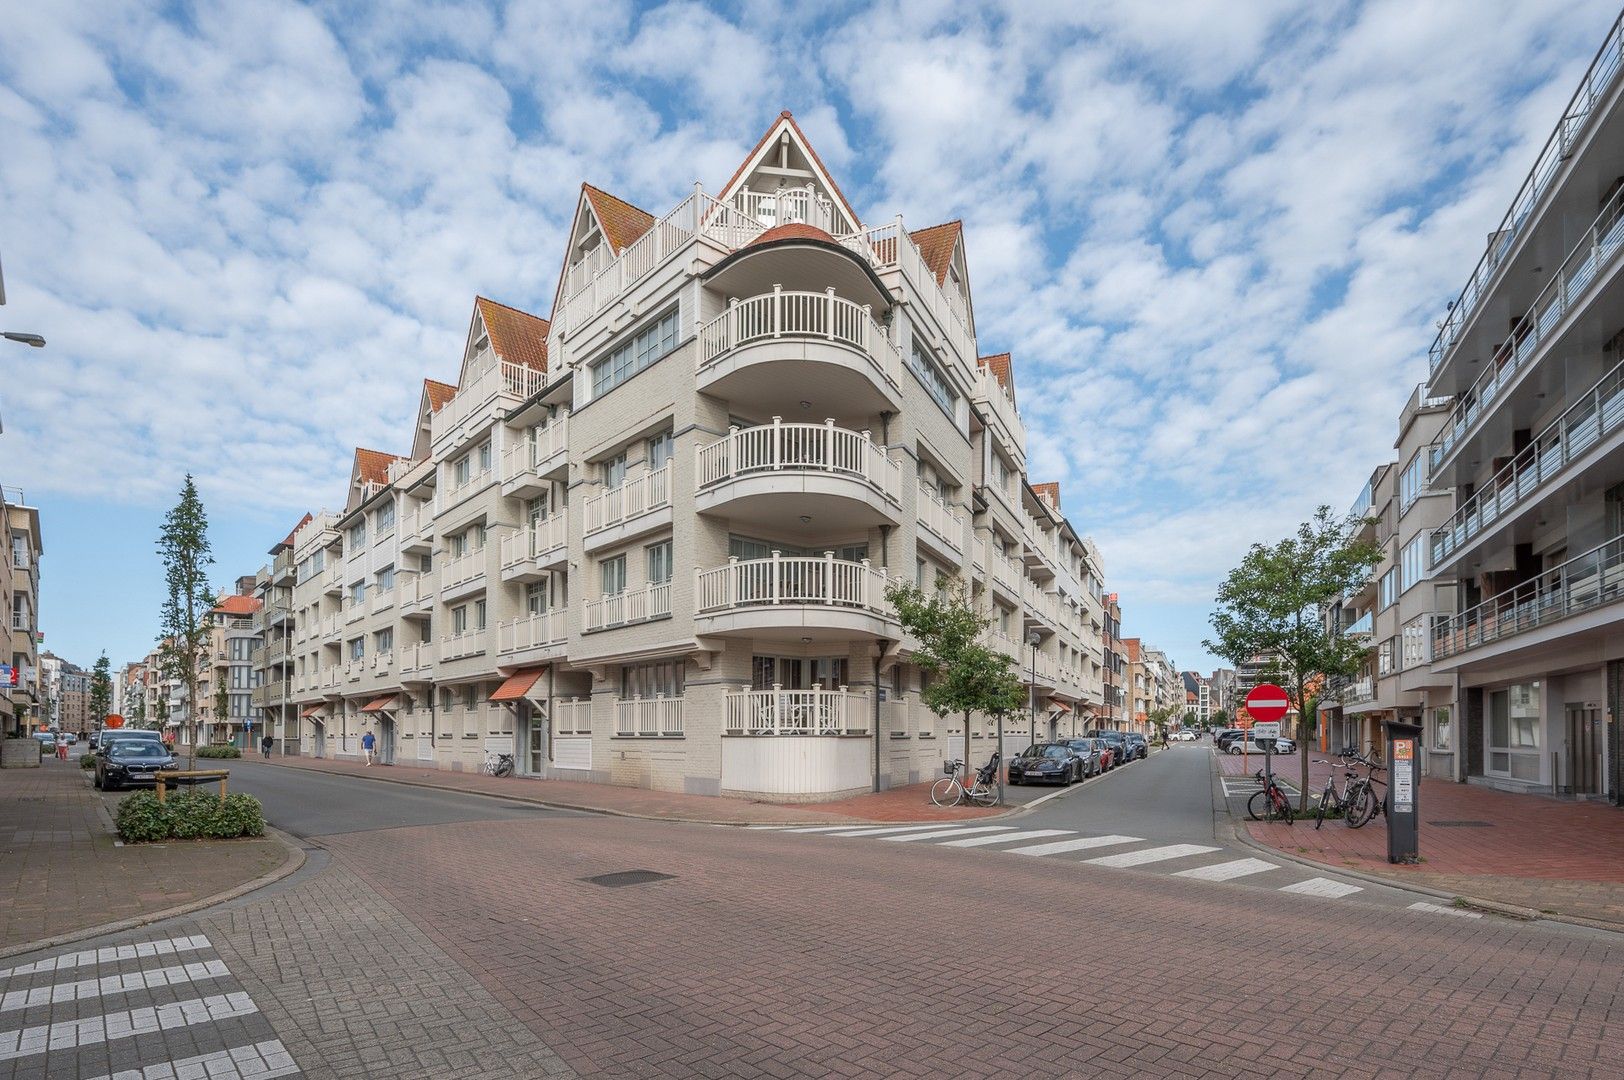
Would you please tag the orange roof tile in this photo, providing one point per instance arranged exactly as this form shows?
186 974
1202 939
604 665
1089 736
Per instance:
999 365
812 153
238 605
1051 491
622 222
791 231
936 246
372 466
302 523
439 393
517 336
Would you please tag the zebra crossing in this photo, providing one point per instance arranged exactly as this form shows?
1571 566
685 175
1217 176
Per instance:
111 1013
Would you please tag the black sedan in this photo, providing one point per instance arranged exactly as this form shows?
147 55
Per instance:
1091 755
1045 763
1137 746
1120 753
128 762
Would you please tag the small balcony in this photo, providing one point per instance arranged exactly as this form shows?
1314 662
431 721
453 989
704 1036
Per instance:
1007 575
528 553
777 349
540 632
655 717
824 599
379 600
499 386
1041 608
527 464
1363 626
457 489
798 712
635 507
332 579
780 472
417 661
941 527
462 575
417 527
331 627
414 593
627 608
463 645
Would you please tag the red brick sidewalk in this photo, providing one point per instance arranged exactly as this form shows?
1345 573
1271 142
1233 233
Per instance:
910 803
1532 851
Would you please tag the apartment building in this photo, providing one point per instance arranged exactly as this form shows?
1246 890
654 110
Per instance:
128 689
647 541
1115 712
73 704
1168 688
1222 682
20 700
273 656
1531 452
227 661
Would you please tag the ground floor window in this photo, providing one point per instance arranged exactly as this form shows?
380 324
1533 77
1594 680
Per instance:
1443 732
652 680
1514 735
798 672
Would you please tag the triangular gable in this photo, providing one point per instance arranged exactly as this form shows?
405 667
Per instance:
603 227
434 398
622 223
942 248
516 337
370 467
1002 369
785 158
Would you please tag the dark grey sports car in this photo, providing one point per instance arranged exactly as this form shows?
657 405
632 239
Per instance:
1045 763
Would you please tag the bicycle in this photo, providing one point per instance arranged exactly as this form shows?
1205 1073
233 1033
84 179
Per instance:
1362 803
497 765
1269 803
1331 801
950 790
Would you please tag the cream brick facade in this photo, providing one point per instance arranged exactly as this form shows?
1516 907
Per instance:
21 704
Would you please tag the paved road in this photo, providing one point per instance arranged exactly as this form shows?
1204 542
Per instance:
482 946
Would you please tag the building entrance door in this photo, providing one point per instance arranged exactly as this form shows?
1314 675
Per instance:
1584 750
318 736
386 739
536 741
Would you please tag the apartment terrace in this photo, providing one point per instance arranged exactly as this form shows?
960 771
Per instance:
614 515
538 455
825 595
764 473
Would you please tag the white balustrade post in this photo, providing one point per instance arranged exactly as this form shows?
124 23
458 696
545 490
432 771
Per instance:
862 589
776 566
866 449
735 451
828 590
829 312
732 589
732 325
778 310
775 458
778 709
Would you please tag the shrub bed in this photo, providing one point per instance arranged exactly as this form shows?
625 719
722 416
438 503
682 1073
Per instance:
219 750
87 761
188 815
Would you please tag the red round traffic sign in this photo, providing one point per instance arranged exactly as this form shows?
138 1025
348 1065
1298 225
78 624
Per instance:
1267 702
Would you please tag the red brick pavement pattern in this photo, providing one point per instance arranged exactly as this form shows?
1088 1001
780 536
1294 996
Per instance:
911 803
780 956
60 870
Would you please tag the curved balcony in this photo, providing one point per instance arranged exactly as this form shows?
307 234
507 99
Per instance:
825 599
782 472
781 348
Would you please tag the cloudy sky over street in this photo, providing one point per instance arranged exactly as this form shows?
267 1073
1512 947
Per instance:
1216 236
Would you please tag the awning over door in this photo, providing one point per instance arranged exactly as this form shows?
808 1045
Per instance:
387 703
517 685
311 710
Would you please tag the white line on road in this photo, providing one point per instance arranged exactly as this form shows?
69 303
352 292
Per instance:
1439 909
1320 886
1006 838
25 1042
955 831
1073 845
821 828
881 830
1150 855
256 1061
1227 871
112 984
111 953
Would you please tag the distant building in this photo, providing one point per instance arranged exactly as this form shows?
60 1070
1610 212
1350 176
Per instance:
20 549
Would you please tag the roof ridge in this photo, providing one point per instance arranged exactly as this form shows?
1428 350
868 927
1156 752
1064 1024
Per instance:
479 297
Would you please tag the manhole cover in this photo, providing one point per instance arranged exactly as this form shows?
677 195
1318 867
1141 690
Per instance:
1462 824
627 877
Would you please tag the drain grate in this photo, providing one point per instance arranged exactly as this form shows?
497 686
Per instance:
627 877
1462 824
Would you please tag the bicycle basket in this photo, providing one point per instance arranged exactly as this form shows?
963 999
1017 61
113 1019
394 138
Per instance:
949 768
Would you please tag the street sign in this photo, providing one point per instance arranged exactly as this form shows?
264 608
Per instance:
1270 730
1267 702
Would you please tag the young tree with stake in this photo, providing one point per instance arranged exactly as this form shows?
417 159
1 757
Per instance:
101 692
187 616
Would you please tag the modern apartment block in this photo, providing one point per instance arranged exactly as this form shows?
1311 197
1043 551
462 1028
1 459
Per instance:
1152 683
1115 713
228 662
273 657
20 704
1223 691
647 542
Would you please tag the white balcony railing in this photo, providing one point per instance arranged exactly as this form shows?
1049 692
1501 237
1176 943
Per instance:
456 488
1598 412
530 454
354 669
828 581
941 519
467 643
500 379
1042 605
528 544
1603 69
802 205
655 716
418 656
799 448
1596 251
417 520
535 631
1007 572
1581 584
633 606
799 315
467 567
572 717
649 492
798 712
383 663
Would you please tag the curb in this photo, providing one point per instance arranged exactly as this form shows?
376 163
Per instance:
293 860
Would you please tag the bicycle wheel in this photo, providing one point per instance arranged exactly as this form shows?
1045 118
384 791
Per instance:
946 792
504 768
1361 808
1282 809
983 795
1319 814
1257 807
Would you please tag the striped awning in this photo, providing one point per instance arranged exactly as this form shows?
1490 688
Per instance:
387 703
517 685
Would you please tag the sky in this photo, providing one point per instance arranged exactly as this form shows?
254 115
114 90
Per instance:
1216 237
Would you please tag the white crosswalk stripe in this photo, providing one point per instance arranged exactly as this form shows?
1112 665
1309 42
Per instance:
1006 838
881 830
111 954
1146 856
1081 844
257 1061
123 1024
1227 871
112 984
948 832
818 828
1320 886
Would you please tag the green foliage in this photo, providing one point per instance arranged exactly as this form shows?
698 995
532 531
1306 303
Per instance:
87 761
222 702
219 750
101 691
1219 718
187 614
188 815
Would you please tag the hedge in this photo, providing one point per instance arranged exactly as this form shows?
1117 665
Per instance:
188 815
219 750
87 761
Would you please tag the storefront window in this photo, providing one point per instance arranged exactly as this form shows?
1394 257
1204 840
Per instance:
1514 731
1442 731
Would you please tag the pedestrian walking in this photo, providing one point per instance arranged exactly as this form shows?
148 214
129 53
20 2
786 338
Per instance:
265 747
367 744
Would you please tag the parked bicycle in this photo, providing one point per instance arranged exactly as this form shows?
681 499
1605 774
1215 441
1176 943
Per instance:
1269 803
950 790
497 765
1362 800
1333 803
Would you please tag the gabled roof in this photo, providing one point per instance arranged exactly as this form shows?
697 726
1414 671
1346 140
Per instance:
238 605
439 393
936 245
786 118
302 523
516 336
1002 370
373 465
1050 492
622 222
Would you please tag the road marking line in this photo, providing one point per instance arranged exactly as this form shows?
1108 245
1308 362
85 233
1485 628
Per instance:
1150 855
820 828
111 953
871 830
1439 909
1006 838
956 831
84 989
1227 871
764 826
256 1061
1320 886
1073 845
123 1024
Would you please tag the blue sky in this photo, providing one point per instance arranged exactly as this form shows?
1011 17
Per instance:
1216 236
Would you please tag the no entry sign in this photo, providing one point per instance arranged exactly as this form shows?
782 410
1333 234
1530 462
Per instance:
1267 702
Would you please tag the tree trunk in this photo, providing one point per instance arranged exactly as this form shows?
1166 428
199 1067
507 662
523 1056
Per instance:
1302 743
969 766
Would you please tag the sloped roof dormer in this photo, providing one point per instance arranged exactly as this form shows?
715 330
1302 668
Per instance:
513 336
942 248
434 398
1002 369
370 467
782 162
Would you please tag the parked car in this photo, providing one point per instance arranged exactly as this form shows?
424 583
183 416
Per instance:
1045 763
1118 745
127 762
46 740
1092 753
1249 745
1138 747
1184 735
113 736
1224 736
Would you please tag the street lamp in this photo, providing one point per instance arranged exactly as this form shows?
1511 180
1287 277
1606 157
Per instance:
1034 637
27 339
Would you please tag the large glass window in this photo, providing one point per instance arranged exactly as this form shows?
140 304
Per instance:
535 597
659 563
1388 591
384 520
612 575
358 648
614 471
1514 731
1413 563
935 381
357 536
1443 732
661 449
459 621
1412 481
652 680
383 641
386 579
649 345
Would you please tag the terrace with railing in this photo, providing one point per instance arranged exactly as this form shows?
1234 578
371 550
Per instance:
501 382
537 630
650 602
799 448
779 580
534 452
798 712
942 520
648 492
464 644
1581 584
795 314
655 717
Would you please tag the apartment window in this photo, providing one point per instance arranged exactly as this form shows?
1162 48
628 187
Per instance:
931 376
239 648
240 678
448 698
1387 590
650 344
384 520
535 597
829 673
1000 472
461 471
358 648
652 680
614 471
485 457
459 544
357 536
919 574
1413 563
1412 481
1443 732
535 510
661 449
241 705
386 580
1514 724
612 575
479 532
459 620
358 593
659 563
479 614
383 641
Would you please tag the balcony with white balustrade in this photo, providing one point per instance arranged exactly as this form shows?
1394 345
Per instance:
417 526
332 579
636 605
796 745
415 593
636 507
537 636
1008 576
490 387
1042 609
793 599
417 661
648 718
459 489
463 645
941 526
529 553
538 455
776 474
463 575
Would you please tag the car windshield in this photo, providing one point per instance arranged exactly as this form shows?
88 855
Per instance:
141 749
1059 752
1082 746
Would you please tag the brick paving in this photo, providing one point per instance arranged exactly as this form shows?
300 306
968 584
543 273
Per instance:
60 870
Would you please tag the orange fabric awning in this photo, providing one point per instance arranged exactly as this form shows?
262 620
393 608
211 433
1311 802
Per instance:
310 710
380 704
517 685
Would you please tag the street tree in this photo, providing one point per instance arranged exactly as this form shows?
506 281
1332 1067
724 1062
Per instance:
160 719
965 676
1270 606
101 691
1160 718
187 615
221 702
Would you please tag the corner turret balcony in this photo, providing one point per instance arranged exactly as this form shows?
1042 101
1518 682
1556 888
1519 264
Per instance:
782 472
794 598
